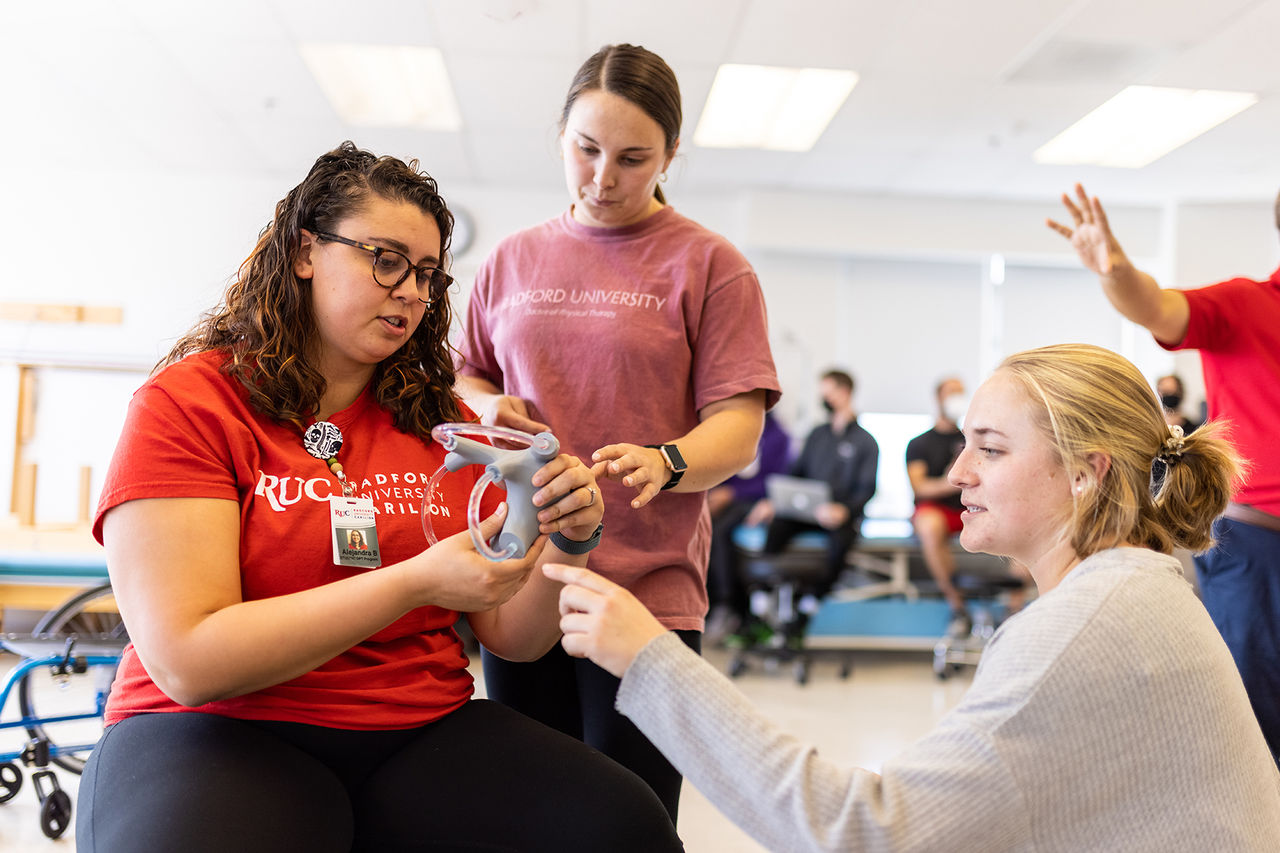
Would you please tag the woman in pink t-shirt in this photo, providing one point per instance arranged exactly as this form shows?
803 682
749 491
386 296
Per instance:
639 338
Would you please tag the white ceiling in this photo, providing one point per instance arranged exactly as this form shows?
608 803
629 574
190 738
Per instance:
953 98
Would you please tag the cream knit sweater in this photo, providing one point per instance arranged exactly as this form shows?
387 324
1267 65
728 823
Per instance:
1106 716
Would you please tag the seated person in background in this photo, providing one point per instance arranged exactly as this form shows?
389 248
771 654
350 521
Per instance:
1172 395
937 514
843 454
278 694
730 503
1106 715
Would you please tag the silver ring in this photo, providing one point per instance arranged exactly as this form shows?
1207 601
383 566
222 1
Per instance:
592 502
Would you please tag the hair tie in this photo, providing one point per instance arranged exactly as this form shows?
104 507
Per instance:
1171 450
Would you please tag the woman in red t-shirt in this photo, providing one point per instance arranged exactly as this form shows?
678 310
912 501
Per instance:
278 693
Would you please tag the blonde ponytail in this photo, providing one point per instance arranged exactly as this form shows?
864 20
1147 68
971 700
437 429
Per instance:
1161 489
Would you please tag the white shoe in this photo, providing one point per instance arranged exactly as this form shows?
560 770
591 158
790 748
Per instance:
721 622
960 625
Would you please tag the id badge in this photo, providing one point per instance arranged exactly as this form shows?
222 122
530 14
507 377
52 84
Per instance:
355 532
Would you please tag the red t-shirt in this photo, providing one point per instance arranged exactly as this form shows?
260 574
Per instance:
622 335
1236 326
191 432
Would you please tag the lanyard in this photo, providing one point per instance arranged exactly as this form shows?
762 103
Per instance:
323 440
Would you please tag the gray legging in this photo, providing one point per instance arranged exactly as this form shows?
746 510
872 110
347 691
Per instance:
483 778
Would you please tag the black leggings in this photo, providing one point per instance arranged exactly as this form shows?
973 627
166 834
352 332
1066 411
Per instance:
482 779
576 697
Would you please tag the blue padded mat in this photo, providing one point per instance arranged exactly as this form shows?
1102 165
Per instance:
882 617
44 566
752 538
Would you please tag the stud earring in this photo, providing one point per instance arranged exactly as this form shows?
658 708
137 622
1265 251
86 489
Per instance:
662 177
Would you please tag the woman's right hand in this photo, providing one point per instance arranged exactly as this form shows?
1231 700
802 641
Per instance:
505 410
1096 246
452 574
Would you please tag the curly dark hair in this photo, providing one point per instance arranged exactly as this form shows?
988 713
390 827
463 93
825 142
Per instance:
265 322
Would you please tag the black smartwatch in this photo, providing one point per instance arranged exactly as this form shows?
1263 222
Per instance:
675 463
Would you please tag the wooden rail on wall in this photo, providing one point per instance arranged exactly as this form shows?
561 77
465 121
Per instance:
22 495
22 488
21 312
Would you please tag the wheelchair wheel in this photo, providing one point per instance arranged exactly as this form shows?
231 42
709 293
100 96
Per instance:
10 781
74 616
55 813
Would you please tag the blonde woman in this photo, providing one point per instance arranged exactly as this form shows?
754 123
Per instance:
1107 715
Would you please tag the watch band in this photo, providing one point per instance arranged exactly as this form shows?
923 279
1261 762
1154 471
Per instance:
570 546
675 463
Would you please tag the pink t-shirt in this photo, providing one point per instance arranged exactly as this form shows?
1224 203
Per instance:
623 335
1236 326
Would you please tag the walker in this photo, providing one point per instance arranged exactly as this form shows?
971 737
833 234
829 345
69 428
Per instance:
68 642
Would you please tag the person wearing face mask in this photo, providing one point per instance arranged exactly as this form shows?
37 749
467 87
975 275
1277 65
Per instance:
842 453
937 514
639 338
1172 396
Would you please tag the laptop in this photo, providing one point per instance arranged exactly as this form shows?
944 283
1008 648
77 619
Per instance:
797 497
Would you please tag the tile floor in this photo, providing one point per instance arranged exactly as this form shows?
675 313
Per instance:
890 700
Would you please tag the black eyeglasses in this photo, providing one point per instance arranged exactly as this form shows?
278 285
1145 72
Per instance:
391 268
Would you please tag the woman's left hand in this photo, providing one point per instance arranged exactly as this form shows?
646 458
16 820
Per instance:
569 498
637 466
601 621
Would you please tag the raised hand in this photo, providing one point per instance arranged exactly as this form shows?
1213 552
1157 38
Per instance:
1091 237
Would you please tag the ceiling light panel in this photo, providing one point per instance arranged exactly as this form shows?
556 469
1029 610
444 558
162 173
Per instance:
385 85
1140 125
777 109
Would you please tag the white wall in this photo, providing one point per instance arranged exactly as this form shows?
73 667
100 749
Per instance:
896 289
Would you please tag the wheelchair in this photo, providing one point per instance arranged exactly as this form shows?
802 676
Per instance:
75 648
777 586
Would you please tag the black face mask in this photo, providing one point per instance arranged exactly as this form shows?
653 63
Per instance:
1171 401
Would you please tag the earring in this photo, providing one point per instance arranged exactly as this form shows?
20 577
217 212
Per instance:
662 177
1079 490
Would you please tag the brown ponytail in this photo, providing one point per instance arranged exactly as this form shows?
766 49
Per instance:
640 76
